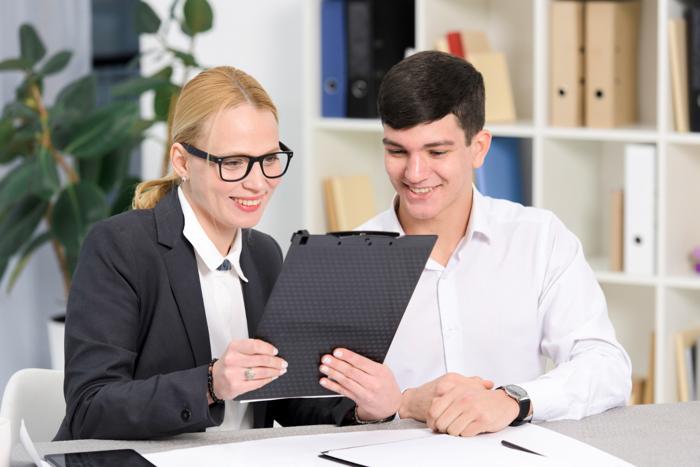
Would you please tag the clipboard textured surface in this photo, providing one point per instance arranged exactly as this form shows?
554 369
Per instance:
337 291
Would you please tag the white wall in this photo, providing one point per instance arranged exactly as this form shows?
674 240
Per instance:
264 38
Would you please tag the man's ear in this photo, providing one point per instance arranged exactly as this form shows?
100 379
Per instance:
481 142
179 160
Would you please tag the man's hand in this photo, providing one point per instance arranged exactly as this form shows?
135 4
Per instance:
461 412
416 402
370 384
229 372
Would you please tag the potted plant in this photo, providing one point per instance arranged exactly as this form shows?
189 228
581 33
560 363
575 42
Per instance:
68 162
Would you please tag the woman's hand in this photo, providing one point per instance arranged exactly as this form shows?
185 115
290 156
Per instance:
246 365
370 384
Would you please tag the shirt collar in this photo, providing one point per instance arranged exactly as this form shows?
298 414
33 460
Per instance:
479 225
203 245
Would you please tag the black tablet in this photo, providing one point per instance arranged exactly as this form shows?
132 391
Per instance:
114 458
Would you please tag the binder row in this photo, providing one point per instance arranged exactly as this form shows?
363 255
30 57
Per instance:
593 68
360 41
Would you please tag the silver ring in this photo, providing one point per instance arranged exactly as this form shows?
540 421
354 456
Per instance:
249 374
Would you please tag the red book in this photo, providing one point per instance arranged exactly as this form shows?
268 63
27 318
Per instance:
454 44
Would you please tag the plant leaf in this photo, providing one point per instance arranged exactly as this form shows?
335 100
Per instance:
147 20
114 168
56 63
18 225
16 109
78 206
80 95
18 64
186 58
47 173
199 17
24 255
122 202
164 98
22 143
17 184
31 47
137 86
104 131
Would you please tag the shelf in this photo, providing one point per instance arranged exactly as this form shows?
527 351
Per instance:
637 134
520 129
621 278
684 138
684 282
349 124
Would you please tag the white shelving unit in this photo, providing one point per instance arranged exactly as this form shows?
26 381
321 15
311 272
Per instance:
572 169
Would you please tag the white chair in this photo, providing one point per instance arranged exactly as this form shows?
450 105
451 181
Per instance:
35 395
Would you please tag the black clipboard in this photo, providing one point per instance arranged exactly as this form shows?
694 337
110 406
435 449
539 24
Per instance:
342 289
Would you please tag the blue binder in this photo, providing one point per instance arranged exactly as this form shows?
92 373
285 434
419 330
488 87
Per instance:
333 59
501 176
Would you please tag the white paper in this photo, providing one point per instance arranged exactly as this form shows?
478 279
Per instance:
398 447
29 446
284 451
556 450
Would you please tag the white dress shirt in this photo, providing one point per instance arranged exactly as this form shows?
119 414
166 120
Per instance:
516 289
223 303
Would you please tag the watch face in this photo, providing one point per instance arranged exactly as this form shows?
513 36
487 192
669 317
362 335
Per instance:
516 391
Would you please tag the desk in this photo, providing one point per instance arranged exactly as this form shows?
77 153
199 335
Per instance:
645 435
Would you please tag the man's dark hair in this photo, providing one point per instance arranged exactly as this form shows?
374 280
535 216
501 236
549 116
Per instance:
426 87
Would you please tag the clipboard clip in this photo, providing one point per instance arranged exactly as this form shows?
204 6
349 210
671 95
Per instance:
358 233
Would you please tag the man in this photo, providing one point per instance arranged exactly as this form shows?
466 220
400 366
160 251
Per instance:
506 286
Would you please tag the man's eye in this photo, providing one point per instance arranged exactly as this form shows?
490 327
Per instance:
396 151
438 153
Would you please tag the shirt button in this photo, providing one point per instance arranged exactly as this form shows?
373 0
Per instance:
185 414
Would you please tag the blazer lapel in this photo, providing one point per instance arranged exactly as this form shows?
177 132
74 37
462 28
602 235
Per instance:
252 293
181 265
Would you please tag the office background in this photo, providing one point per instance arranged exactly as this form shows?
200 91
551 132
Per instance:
572 167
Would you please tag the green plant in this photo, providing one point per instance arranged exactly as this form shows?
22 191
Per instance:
193 17
67 162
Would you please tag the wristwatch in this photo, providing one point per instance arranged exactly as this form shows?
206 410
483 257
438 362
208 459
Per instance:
520 396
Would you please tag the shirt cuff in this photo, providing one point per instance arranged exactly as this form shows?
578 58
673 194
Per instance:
546 399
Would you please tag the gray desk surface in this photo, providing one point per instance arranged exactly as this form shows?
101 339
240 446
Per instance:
645 435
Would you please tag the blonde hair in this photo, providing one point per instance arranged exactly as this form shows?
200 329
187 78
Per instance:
202 97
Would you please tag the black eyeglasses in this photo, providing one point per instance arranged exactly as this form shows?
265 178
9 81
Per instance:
236 168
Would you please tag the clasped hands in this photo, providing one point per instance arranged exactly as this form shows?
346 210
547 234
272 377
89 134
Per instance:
452 404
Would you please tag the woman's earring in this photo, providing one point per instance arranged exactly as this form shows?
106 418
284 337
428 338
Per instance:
184 179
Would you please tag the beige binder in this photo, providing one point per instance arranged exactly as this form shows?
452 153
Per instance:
500 107
349 201
566 80
611 63
678 60
617 225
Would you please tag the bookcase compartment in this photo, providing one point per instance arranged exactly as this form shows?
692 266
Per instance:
682 314
509 26
631 310
579 177
682 208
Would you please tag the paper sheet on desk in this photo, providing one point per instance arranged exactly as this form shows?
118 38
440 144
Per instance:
398 447
557 450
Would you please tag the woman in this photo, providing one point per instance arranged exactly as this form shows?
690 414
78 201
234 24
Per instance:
161 289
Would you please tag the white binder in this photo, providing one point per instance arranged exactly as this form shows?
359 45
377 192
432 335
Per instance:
640 208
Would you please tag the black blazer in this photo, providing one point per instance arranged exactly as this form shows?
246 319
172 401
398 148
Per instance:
137 343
